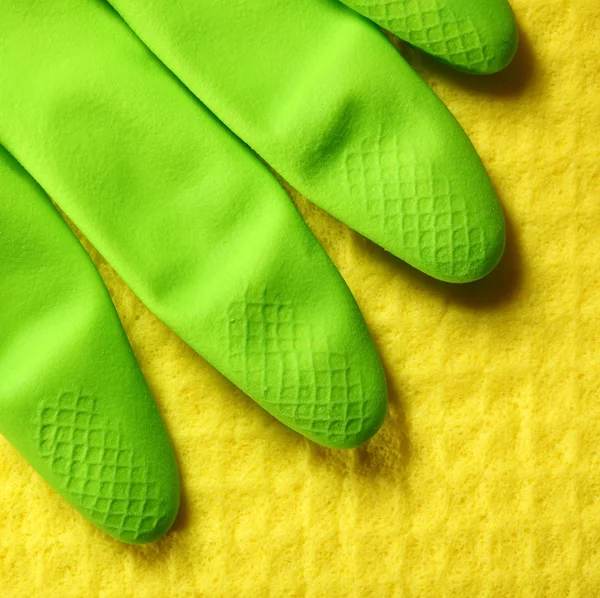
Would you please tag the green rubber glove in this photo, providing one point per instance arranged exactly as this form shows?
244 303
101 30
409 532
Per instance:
72 398
476 36
324 98
188 216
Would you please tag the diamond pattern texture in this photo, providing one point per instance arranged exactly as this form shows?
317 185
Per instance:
103 475
316 391
485 479
411 202
432 26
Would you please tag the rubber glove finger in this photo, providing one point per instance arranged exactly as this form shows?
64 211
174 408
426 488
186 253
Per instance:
73 401
327 101
477 36
188 216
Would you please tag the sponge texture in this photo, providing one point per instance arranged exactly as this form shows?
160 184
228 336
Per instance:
484 481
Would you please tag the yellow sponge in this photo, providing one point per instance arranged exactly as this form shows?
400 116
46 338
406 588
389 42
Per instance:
485 480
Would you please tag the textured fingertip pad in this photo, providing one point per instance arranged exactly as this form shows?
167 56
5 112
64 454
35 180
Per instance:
244 282
477 36
104 449
490 253
96 468
315 386
441 217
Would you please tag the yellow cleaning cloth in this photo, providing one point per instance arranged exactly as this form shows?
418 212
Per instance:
485 480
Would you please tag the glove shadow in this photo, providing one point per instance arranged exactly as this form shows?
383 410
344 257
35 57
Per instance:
498 288
512 82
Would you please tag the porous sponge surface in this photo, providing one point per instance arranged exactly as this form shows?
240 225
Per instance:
485 479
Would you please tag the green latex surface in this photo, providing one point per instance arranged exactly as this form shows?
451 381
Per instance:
72 398
187 215
326 100
477 36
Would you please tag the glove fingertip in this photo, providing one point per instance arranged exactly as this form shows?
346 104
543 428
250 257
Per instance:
501 46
